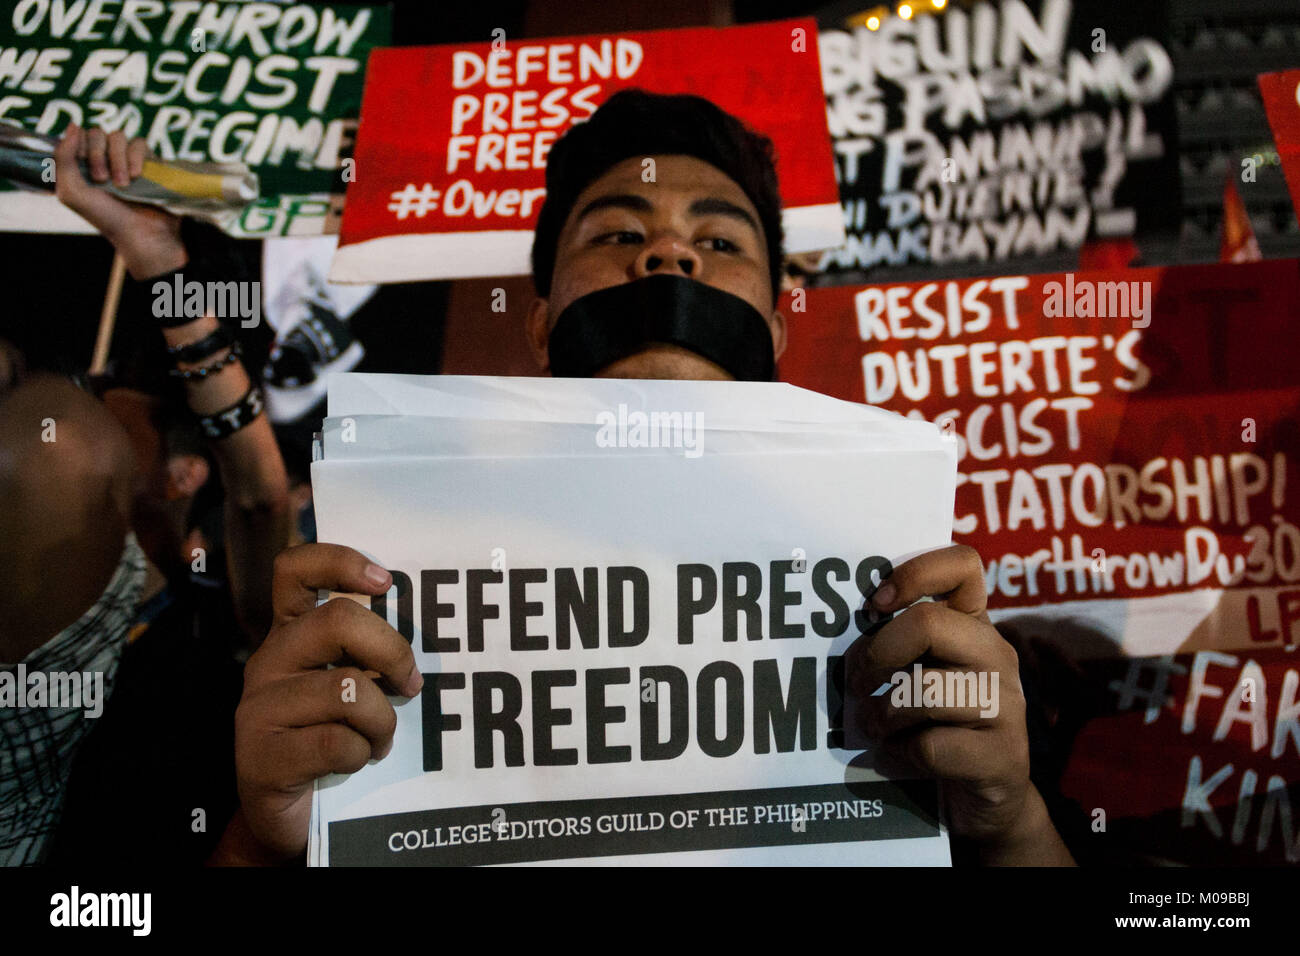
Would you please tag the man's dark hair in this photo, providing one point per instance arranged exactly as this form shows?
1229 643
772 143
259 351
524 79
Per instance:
637 123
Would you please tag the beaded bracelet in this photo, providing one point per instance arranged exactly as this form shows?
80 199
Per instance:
204 371
225 423
204 347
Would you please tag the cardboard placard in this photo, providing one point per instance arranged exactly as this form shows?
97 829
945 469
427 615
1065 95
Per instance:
276 87
451 153
1128 438
990 132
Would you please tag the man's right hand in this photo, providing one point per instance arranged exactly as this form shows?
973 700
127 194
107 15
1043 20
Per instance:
294 723
148 238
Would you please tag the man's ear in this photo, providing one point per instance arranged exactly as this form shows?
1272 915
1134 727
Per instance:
777 324
186 474
537 327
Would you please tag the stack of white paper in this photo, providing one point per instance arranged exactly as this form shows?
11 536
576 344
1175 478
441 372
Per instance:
626 597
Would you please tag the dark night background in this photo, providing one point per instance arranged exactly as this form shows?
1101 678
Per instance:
56 283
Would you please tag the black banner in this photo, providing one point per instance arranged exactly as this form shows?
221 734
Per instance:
997 131
623 826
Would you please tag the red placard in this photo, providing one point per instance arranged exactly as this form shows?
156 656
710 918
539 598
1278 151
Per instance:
451 149
1190 758
1281 92
1128 439
1059 392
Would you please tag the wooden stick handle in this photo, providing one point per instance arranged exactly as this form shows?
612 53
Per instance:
108 315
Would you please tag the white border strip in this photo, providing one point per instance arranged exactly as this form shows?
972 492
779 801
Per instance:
475 255
23 211
437 255
813 228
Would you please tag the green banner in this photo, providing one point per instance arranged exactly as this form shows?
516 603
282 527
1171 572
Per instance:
276 86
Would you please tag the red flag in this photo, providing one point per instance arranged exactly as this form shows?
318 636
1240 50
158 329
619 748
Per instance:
1237 237
1281 93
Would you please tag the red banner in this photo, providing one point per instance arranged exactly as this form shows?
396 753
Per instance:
1281 92
1128 441
1123 435
452 146
1193 758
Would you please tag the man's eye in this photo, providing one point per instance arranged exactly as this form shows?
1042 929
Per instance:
718 244
619 237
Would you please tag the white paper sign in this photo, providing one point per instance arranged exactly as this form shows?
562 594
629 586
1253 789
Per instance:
631 652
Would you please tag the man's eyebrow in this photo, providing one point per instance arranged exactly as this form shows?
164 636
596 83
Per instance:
714 206
617 201
708 206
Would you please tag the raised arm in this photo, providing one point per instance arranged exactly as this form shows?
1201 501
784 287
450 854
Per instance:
252 470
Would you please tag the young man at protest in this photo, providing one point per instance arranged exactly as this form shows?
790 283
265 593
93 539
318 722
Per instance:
688 261
671 275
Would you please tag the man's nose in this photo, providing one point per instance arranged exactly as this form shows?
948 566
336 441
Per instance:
668 254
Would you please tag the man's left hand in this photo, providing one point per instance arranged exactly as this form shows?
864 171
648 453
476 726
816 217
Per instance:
981 754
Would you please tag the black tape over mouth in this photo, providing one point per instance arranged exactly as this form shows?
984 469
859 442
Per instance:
610 324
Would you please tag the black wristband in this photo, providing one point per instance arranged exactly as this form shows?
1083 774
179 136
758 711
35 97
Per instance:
168 293
211 256
194 351
225 423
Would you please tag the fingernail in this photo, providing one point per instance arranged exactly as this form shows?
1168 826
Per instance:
377 577
885 595
414 682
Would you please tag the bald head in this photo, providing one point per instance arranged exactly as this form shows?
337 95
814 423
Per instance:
66 476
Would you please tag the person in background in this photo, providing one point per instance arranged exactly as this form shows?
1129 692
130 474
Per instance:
147 773
205 354
696 256
120 774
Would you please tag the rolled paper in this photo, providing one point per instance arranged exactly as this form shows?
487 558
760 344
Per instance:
211 192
